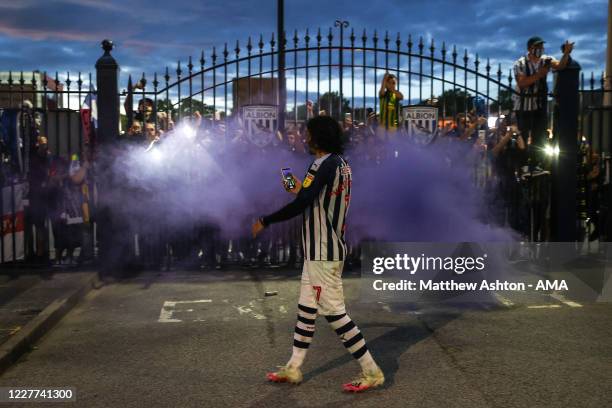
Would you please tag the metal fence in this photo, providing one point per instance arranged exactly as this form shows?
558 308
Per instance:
336 72
341 74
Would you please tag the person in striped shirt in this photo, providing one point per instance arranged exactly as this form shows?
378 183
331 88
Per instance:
530 100
390 99
323 199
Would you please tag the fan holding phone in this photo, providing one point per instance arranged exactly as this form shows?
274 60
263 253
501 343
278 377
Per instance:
290 182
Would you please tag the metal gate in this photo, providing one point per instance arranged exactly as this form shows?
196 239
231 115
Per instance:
336 72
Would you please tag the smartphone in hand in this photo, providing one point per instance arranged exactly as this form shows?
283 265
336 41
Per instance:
288 178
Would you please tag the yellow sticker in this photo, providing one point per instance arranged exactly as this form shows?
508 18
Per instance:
308 181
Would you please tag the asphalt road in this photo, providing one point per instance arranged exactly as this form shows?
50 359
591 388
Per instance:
179 339
12 318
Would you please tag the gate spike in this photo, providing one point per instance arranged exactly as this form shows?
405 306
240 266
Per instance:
21 80
143 80
295 39
167 76
465 57
432 48
330 36
510 78
10 78
476 62
364 37
261 43
454 54
499 72
214 55
237 49
409 43
307 38
202 60
178 68
68 81
155 82
225 53
319 36
190 65
352 37
272 42
34 79
249 46
488 67
375 38
386 40
443 50
421 45
398 41
592 81
45 81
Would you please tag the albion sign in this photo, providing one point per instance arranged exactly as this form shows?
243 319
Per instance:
420 123
261 123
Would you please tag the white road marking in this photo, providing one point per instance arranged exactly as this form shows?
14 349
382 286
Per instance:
504 300
165 315
562 299
176 302
544 307
248 311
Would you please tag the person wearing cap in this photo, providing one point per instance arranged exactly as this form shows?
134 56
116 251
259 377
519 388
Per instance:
530 101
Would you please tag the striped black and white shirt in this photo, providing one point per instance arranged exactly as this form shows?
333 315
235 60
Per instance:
534 96
324 201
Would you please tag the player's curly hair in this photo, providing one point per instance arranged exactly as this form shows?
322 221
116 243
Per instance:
326 134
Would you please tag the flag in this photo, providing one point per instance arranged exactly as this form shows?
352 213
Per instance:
89 116
10 196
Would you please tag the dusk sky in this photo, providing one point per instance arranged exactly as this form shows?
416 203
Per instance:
150 34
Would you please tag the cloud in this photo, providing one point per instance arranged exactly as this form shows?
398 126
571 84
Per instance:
38 34
149 33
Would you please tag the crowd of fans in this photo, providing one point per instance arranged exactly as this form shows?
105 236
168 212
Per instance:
497 156
516 193
59 197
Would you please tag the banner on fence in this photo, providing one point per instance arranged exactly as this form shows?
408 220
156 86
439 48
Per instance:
13 223
420 123
261 123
